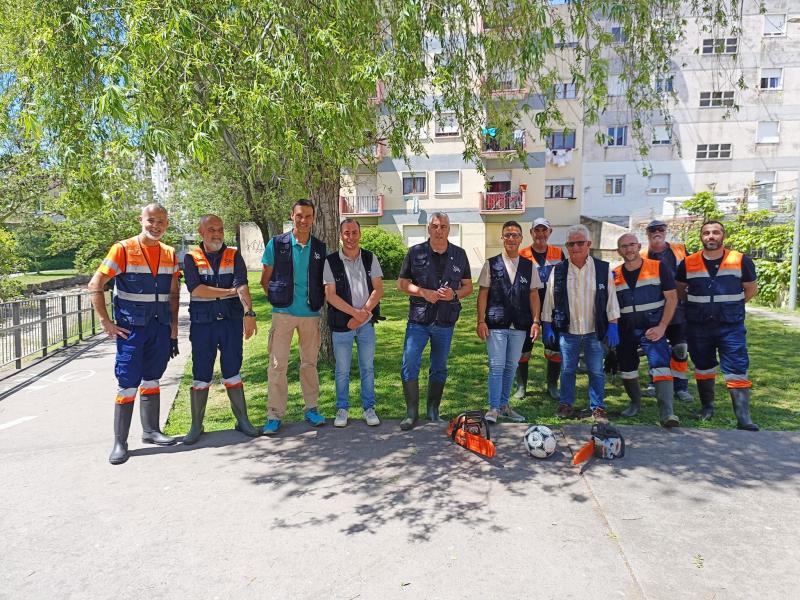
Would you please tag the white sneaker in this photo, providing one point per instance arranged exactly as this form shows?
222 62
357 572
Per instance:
491 416
510 414
371 418
341 418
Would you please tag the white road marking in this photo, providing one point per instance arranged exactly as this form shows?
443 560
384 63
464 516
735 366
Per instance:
16 422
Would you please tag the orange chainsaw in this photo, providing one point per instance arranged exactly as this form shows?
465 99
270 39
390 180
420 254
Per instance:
471 430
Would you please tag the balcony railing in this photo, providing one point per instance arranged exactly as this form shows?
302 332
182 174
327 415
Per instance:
502 202
361 206
492 146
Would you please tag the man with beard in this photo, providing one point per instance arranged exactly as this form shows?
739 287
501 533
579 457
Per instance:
545 257
670 254
145 324
221 312
647 300
716 283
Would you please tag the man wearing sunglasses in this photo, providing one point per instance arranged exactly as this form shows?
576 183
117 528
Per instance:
508 314
670 254
546 257
581 308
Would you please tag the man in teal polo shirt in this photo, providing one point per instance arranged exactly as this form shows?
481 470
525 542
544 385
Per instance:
292 279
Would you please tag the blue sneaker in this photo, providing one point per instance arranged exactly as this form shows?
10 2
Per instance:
312 416
271 426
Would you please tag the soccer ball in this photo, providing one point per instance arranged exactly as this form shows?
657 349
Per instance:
539 441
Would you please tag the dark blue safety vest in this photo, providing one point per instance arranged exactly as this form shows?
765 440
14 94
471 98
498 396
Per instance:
138 295
337 319
206 310
280 290
509 303
644 304
720 298
423 274
561 301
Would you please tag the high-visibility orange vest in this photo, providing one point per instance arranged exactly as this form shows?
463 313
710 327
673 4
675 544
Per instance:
140 296
646 299
720 298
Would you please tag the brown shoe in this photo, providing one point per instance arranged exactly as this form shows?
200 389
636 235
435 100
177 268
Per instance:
599 415
564 411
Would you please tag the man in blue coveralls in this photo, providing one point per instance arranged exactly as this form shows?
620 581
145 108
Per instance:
221 312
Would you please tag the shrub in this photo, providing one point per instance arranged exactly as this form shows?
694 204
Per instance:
388 247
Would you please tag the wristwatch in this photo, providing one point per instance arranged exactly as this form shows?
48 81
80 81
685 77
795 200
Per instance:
250 313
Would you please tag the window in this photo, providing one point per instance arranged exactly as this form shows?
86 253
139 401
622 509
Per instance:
768 132
774 25
720 45
561 140
618 33
713 151
559 188
665 84
447 126
662 135
415 184
615 185
617 136
616 86
771 79
448 182
658 184
715 99
505 80
765 184
565 90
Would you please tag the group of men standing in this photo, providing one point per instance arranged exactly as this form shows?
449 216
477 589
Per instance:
659 300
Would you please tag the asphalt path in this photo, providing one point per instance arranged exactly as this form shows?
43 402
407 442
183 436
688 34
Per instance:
374 513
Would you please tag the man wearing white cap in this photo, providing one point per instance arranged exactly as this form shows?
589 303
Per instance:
545 257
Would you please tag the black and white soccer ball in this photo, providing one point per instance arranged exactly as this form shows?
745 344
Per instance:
540 441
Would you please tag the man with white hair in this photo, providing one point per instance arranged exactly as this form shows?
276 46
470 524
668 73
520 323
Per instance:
436 276
581 308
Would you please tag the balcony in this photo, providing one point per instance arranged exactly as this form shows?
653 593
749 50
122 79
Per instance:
496 203
361 206
492 146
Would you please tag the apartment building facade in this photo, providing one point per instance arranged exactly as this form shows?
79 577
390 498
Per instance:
735 126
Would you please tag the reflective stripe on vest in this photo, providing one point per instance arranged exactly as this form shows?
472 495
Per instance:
647 295
678 250
205 310
138 294
720 297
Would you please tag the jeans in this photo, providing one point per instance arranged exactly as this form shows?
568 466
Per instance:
416 339
504 347
593 354
364 337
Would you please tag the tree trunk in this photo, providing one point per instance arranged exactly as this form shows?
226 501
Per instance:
323 189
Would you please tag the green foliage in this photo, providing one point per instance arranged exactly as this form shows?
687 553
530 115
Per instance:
388 247
9 263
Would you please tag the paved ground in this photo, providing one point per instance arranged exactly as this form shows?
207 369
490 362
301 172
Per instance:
372 513
782 317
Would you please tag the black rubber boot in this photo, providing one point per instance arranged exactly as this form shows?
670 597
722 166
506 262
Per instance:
634 391
741 408
149 409
553 373
705 388
411 393
435 391
239 408
122 425
198 399
521 378
664 392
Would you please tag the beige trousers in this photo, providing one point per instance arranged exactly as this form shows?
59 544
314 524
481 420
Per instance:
279 346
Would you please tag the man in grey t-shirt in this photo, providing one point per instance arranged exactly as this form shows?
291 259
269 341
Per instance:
353 288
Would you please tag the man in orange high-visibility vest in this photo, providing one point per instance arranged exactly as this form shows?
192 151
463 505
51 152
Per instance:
716 283
145 324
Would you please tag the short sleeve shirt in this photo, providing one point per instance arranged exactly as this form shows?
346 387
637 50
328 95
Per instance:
712 266
356 277
301 253
439 263
485 279
192 277
115 261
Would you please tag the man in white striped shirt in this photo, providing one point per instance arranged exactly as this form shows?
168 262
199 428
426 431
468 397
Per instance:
581 308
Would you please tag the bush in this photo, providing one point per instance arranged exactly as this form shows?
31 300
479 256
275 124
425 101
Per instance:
388 247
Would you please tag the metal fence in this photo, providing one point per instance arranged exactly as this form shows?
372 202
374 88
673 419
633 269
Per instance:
41 325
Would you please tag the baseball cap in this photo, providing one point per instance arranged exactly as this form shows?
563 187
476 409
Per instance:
655 224
541 221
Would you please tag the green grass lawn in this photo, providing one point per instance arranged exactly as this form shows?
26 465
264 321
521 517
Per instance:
774 356
31 278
